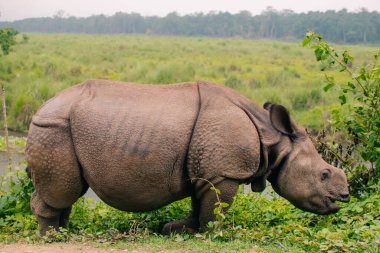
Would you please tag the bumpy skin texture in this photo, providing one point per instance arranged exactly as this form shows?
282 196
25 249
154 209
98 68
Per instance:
140 147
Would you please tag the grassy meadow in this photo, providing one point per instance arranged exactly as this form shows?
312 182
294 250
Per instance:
261 70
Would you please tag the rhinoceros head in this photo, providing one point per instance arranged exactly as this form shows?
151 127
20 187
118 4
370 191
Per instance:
300 174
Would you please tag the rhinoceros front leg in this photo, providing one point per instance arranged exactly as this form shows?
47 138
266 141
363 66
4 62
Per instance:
228 189
189 224
203 207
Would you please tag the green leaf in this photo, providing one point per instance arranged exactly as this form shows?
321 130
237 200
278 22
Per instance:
351 85
347 57
342 99
319 37
215 190
318 53
328 86
3 203
223 204
306 41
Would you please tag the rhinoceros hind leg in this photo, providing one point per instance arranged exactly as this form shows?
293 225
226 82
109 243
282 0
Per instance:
64 218
56 175
47 216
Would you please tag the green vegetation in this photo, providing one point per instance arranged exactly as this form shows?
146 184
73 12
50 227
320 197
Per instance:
358 118
341 26
7 39
261 70
264 221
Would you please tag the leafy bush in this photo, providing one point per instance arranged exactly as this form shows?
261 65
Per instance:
359 114
15 192
7 39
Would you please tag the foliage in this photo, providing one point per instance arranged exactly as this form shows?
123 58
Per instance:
265 220
7 39
359 114
341 26
15 192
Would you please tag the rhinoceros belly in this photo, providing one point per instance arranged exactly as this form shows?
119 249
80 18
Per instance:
132 140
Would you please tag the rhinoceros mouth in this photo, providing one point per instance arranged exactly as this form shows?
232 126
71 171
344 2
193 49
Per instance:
332 207
340 199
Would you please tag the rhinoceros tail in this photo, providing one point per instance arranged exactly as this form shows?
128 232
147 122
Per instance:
49 121
29 172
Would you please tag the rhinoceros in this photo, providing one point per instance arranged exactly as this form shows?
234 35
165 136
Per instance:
140 147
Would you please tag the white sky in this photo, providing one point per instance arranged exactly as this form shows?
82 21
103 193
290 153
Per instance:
19 9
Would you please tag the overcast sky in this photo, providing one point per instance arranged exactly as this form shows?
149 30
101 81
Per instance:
19 9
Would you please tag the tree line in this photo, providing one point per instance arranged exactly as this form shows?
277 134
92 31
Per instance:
337 26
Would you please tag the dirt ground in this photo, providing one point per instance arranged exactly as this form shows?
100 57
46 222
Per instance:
71 248
63 248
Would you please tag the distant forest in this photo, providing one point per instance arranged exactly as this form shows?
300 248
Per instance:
337 26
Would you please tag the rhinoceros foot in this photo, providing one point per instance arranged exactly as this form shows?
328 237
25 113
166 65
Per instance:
189 225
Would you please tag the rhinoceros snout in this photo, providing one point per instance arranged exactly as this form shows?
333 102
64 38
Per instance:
342 192
345 197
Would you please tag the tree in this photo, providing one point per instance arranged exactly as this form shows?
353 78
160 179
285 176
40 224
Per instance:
336 26
7 39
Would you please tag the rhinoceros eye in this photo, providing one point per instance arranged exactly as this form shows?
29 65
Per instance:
325 174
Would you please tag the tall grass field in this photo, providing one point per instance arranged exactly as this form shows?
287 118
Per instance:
261 70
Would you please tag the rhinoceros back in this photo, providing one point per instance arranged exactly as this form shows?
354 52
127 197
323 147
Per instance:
132 141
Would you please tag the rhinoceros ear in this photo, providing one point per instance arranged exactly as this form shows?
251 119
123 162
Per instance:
280 119
258 184
267 105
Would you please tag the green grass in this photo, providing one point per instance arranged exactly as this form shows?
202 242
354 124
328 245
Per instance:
259 69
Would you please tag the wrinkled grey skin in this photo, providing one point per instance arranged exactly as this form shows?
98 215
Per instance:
140 147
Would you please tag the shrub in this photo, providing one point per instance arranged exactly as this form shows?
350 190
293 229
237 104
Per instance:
15 192
359 114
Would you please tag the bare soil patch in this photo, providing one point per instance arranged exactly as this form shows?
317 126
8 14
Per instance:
65 248
74 248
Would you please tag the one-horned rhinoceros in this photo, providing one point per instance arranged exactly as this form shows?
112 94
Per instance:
140 147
